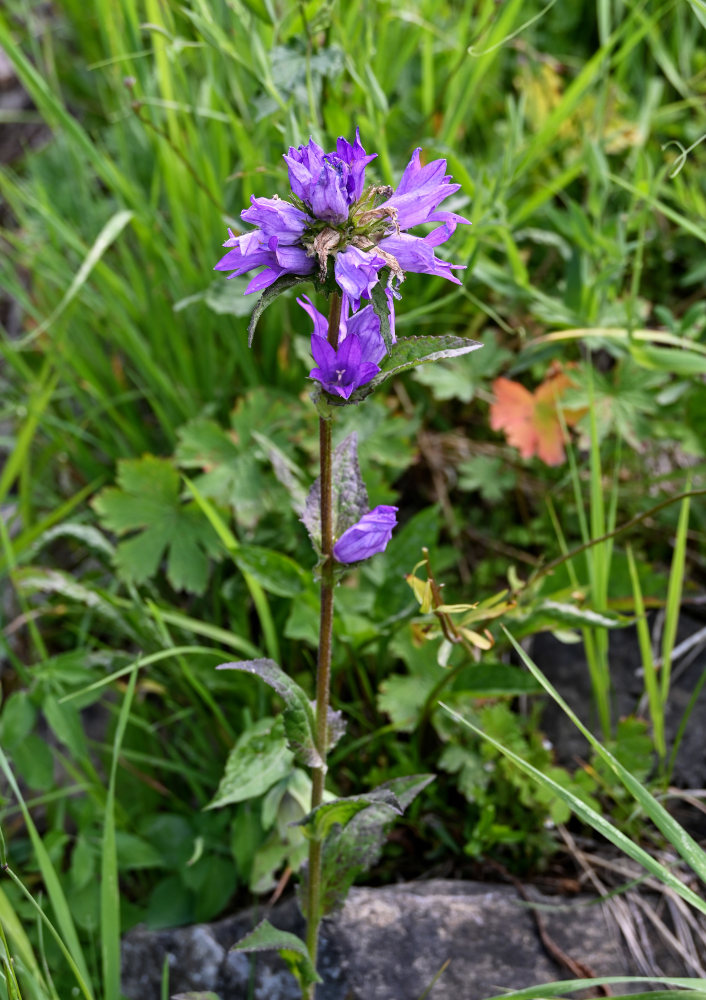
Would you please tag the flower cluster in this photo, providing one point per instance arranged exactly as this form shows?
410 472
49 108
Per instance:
332 215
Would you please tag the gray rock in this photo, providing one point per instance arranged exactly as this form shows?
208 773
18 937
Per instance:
386 944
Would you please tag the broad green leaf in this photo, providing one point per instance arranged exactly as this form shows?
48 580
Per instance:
402 697
275 571
410 352
549 613
196 996
258 760
146 500
34 761
298 715
66 724
17 719
268 296
318 824
665 359
265 937
351 850
349 495
495 680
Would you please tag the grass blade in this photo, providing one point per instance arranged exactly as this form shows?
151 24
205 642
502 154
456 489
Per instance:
110 891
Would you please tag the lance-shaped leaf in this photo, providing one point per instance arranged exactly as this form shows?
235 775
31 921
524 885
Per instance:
292 949
339 812
352 849
350 497
208 995
268 296
298 715
381 308
411 352
258 760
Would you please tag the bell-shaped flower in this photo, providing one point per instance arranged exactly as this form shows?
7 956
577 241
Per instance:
367 536
341 371
365 324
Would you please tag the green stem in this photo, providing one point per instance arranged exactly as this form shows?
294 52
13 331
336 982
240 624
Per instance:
323 669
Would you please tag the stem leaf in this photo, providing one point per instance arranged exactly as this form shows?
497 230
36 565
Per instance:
292 949
269 295
351 849
411 352
298 715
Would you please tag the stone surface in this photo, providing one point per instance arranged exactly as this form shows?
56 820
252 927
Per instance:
387 944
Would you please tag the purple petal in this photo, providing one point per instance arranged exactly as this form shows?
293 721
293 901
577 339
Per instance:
320 321
323 353
416 253
357 273
365 325
275 216
329 196
420 192
356 157
367 537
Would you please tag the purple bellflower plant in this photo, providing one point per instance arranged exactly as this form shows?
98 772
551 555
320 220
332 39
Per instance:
332 215
353 242
366 537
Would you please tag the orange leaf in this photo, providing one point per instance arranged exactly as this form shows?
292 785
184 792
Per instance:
530 420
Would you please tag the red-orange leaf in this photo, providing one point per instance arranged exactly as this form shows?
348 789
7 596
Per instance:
530 420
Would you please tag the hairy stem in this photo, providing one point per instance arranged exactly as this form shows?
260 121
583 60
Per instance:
323 669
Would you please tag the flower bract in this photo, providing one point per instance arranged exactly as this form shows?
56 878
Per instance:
367 536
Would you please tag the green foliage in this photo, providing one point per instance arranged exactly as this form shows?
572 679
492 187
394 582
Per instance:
146 500
353 832
298 715
292 949
258 760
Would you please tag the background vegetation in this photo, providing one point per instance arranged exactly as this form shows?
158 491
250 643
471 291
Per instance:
148 532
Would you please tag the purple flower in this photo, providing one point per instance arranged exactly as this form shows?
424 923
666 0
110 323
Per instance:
364 324
363 229
367 536
341 371
329 183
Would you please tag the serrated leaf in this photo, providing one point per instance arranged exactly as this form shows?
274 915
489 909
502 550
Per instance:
381 308
265 937
349 495
548 614
146 500
339 812
348 851
298 715
258 760
410 352
269 295
275 571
